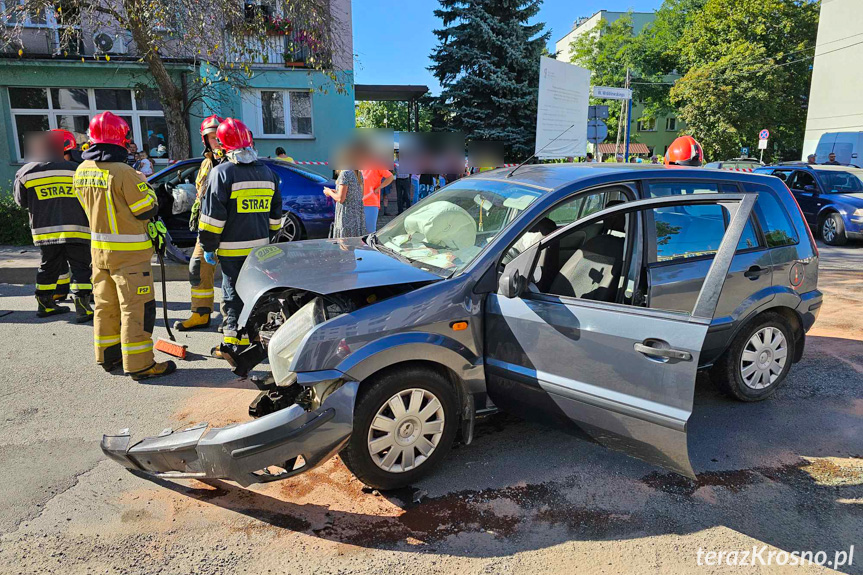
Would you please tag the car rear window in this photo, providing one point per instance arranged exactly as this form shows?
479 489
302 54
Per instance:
706 240
775 222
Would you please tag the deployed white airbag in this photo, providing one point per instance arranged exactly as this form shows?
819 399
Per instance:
443 224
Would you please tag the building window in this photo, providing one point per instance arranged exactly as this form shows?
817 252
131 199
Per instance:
284 114
17 12
670 124
39 109
646 125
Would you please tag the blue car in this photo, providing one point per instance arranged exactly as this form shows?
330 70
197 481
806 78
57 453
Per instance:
831 198
307 212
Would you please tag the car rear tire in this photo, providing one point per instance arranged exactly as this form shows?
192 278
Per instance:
758 360
405 422
833 230
291 230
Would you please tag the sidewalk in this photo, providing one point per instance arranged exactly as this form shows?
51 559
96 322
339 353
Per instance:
18 265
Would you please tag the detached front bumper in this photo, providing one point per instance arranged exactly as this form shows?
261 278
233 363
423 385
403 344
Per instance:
243 452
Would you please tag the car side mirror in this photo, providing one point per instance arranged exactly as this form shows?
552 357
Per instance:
811 189
511 283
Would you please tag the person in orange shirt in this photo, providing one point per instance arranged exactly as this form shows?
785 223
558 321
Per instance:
373 180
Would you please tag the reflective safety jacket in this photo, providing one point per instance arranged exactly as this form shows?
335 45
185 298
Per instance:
45 190
119 204
240 210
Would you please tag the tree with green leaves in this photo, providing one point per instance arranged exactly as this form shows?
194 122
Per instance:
392 115
487 62
224 38
748 67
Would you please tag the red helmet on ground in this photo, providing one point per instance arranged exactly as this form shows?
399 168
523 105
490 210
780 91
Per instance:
684 151
234 135
69 142
209 126
106 128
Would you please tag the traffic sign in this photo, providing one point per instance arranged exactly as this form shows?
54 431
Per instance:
763 134
744 151
609 93
597 112
762 144
597 131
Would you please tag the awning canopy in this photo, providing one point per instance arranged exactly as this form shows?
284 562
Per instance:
388 92
634 148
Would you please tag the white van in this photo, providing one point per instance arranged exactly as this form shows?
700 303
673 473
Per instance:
848 147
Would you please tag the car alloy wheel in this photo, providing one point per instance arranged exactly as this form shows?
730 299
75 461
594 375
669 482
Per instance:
828 230
290 231
763 358
406 430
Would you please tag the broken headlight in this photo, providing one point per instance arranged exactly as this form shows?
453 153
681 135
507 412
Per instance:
287 339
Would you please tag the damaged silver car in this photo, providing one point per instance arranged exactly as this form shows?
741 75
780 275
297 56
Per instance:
582 296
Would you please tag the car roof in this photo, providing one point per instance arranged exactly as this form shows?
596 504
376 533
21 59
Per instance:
819 167
553 176
270 161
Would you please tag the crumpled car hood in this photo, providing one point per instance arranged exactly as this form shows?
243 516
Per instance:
323 267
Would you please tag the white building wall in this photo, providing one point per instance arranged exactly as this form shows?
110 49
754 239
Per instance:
836 93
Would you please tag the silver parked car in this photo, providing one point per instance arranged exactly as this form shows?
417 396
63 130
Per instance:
580 295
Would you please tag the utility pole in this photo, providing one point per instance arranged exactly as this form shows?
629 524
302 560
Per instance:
628 119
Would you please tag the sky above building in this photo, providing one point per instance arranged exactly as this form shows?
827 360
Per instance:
393 38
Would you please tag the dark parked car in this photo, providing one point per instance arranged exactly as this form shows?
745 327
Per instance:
735 164
831 198
580 295
308 213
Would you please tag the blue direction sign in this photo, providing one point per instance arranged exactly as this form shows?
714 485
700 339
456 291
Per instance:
597 131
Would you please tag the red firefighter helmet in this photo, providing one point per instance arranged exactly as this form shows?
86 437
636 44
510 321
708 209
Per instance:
234 135
209 126
106 128
684 151
69 142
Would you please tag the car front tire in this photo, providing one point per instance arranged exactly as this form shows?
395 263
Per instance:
833 230
758 360
405 422
291 230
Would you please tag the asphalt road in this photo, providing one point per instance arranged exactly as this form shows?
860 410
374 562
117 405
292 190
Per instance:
786 473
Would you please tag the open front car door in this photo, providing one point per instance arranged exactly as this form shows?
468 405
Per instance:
577 343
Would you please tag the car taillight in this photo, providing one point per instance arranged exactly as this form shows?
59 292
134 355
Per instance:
800 211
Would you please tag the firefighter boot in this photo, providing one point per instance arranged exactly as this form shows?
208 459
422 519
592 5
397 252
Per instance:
155 370
195 321
46 306
83 311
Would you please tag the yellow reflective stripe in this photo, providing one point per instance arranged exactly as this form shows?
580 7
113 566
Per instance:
61 236
251 192
137 347
121 246
46 287
236 341
208 228
274 227
106 340
64 279
140 205
112 215
234 253
202 292
49 180
81 286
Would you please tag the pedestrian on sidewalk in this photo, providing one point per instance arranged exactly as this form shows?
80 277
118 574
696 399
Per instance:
373 180
403 188
58 224
119 204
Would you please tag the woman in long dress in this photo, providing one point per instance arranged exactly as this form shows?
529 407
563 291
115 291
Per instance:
350 219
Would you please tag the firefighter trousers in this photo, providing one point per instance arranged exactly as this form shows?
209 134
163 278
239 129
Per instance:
201 279
57 260
125 314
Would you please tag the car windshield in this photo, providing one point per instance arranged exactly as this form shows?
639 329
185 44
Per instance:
841 182
448 230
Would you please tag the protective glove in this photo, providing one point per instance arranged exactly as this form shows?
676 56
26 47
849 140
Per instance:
210 258
157 231
196 214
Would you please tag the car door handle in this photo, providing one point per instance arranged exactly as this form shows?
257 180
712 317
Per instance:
755 272
647 348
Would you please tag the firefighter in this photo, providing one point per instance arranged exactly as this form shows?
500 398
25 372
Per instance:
242 209
200 272
70 154
119 204
684 151
58 224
